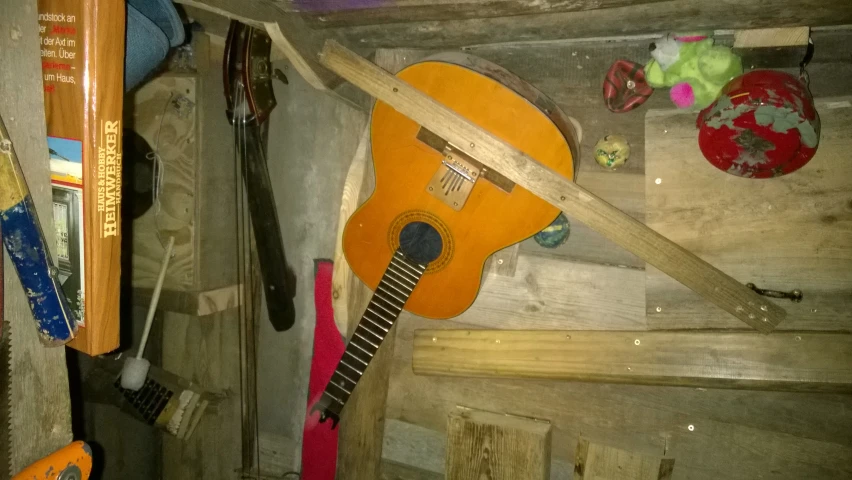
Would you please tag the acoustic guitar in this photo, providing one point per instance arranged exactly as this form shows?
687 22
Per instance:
420 242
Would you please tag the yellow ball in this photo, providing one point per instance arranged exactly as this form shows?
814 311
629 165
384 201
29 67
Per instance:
612 151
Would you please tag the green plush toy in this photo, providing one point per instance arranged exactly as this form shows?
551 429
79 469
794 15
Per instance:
694 68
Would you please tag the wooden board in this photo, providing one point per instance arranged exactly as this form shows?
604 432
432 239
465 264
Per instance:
783 233
656 18
601 462
37 372
342 14
164 112
782 361
772 47
757 432
496 446
495 153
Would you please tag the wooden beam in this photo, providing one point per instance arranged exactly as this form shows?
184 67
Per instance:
497 447
601 462
323 15
772 47
656 19
569 197
38 388
816 362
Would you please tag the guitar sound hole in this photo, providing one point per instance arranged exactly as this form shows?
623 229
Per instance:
420 242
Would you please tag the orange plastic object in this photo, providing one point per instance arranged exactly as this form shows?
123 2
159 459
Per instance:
73 462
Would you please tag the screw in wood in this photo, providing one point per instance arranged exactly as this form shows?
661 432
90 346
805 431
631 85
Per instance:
636 342
659 309
691 428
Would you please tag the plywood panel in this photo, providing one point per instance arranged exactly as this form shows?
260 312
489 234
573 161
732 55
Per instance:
791 232
164 113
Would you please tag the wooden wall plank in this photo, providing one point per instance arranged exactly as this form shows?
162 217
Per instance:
791 232
37 427
657 18
496 446
759 432
815 362
336 14
556 294
601 462
711 283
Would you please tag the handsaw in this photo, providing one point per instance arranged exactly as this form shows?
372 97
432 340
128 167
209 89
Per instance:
25 242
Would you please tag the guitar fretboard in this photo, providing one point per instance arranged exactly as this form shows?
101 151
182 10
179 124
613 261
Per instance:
387 302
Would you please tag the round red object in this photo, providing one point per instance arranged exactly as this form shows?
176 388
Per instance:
763 125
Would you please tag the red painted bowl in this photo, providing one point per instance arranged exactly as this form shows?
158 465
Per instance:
763 125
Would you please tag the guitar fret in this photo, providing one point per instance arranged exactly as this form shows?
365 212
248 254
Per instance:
338 372
364 326
362 338
383 308
341 402
379 289
387 284
355 357
372 322
352 342
404 281
391 294
391 280
340 387
350 367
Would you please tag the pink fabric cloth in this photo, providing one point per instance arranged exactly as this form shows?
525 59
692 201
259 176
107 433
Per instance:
319 443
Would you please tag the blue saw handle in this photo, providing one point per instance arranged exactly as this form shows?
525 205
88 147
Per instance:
24 240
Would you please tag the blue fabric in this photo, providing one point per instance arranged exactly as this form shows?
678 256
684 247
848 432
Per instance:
147 46
164 15
153 26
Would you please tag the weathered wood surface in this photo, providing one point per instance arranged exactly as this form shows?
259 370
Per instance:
362 420
772 47
762 432
164 113
791 232
656 18
601 462
690 270
496 446
38 391
205 351
817 362
335 13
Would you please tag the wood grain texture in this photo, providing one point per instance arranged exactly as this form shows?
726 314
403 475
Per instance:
400 471
165 114
674 260
792 232
205 351
550 293
758 432
337 14
601 462
496 446
342 276
37 372
782 361
673 15
772 47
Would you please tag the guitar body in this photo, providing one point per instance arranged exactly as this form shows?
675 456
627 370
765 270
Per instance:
490 218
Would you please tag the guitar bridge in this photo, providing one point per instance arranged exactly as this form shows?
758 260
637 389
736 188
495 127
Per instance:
454 180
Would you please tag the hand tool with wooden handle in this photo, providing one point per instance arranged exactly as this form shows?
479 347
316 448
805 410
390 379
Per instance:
497 154
25 242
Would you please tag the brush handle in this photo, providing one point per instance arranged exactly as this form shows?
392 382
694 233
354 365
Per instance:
155 297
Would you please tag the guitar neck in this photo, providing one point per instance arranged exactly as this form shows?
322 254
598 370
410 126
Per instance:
384 308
